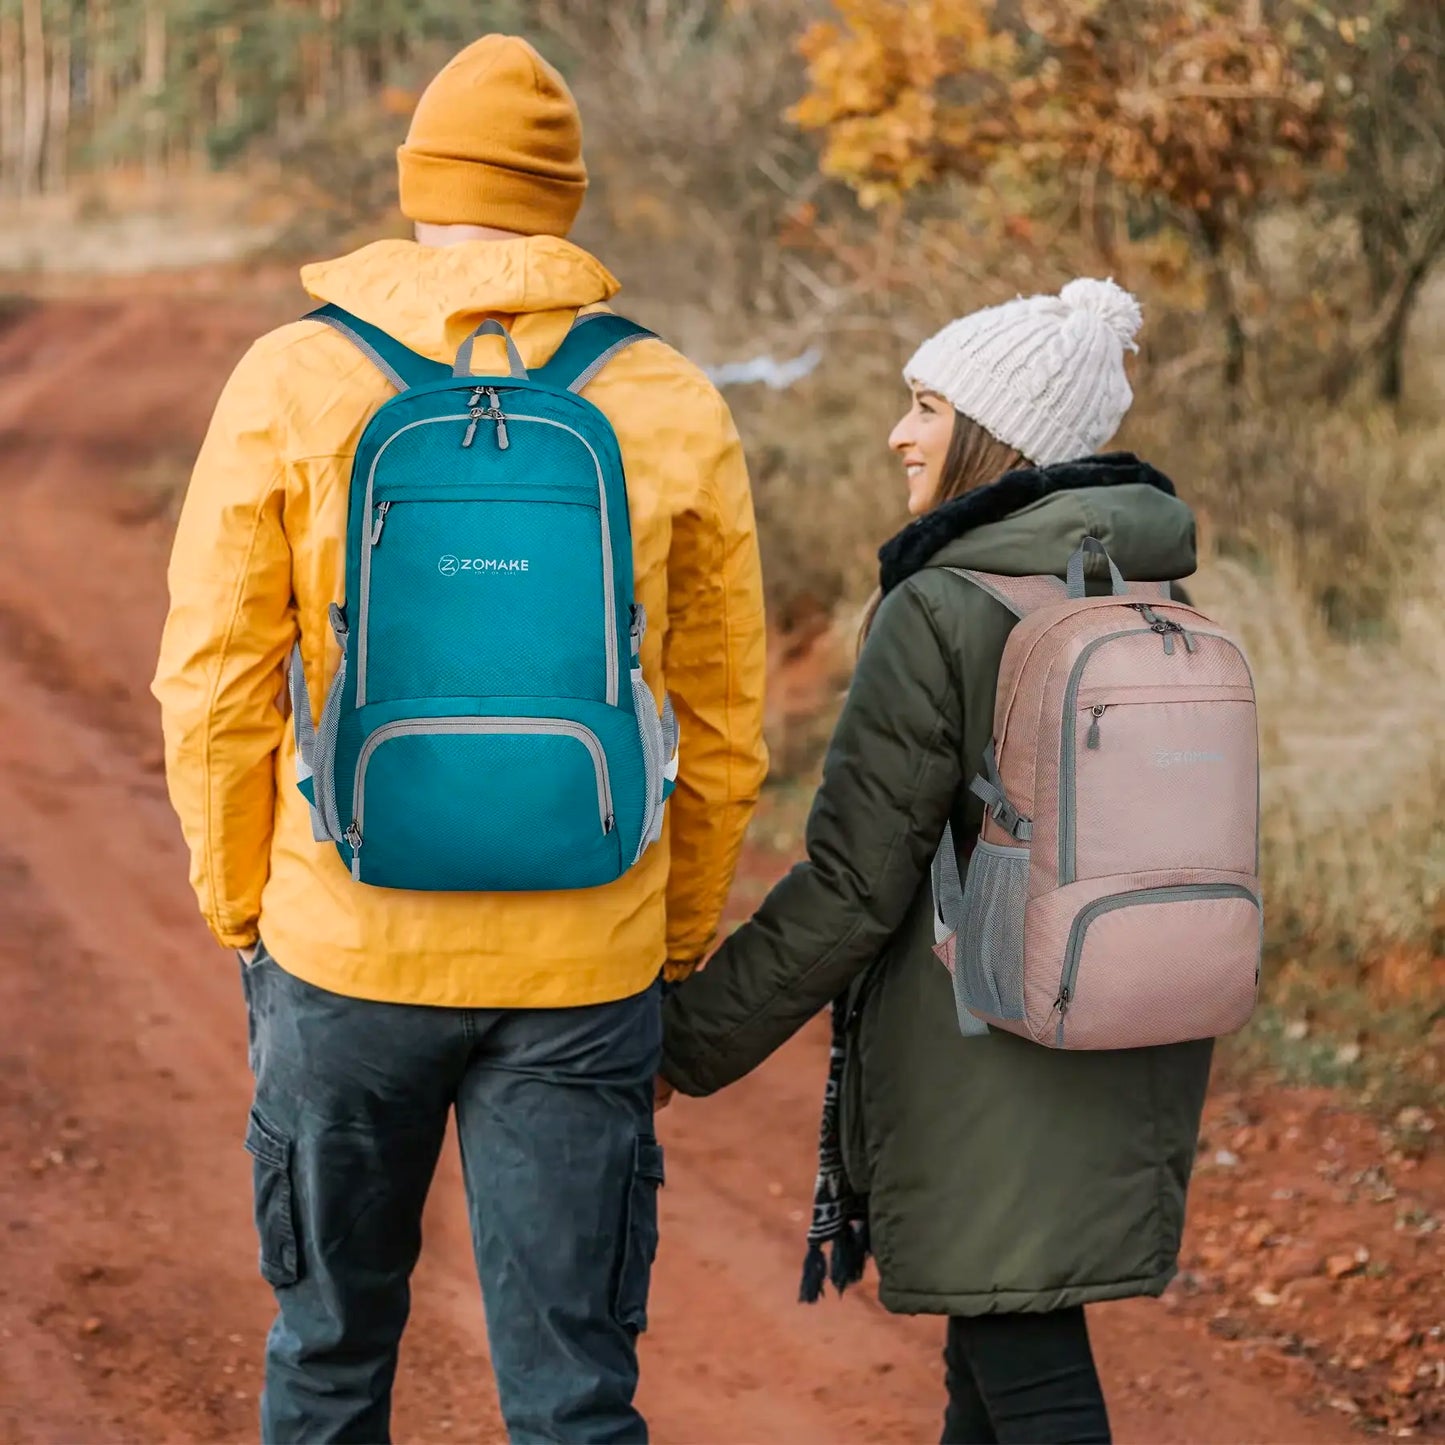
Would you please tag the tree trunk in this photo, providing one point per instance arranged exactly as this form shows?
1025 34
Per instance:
57 165
32 134
1392 359
153 82
10 105
1226 307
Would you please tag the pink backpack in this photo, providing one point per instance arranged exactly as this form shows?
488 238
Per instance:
1112 899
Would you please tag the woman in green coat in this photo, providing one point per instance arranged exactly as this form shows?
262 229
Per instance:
1001 1184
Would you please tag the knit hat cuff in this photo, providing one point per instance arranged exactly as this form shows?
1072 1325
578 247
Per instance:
1014 420
454 191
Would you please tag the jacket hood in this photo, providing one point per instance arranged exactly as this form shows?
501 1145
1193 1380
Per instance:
430 297
1031 521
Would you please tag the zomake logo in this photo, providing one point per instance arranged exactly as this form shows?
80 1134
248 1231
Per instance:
1182 758
449 566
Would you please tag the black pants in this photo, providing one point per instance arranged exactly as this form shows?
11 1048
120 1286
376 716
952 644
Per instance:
1023 1380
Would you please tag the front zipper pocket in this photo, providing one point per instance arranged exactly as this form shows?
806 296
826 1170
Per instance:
491 804
457 563
1177 763
1197 960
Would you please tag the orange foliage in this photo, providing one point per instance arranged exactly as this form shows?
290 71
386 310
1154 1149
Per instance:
880 81
1176 101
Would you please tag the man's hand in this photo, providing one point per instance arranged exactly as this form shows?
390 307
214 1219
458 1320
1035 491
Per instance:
662 1093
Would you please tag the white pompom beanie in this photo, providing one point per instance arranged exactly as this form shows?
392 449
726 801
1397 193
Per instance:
1042 374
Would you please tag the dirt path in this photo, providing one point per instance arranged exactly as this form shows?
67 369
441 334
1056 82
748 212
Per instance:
130 1308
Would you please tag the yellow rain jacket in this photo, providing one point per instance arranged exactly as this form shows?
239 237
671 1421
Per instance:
260 552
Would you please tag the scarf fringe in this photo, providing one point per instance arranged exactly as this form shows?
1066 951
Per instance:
850 1254
849 1259
815 1276
840 1215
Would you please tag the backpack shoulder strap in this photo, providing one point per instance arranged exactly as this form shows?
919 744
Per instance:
401 366
591 343
1021 595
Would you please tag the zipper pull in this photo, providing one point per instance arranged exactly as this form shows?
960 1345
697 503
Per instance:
477 397
497 416
477 412
1062 1005
1092 740
353 836
382 508
1168 642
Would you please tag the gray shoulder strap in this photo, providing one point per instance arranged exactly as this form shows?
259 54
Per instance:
1021 595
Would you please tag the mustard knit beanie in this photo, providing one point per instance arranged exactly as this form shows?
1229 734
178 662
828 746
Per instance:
496 140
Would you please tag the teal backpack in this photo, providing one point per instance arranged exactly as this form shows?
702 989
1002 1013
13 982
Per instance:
489 729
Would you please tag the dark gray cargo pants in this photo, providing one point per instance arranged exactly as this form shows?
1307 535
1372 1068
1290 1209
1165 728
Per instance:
554 1114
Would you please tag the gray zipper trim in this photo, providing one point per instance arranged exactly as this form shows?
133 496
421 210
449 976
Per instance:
506 726
609 591
1178 893
1067 754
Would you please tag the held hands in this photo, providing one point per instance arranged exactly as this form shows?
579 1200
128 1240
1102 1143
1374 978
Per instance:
662 1093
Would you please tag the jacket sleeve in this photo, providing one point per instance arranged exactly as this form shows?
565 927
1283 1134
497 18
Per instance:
226 637
715 664
891 775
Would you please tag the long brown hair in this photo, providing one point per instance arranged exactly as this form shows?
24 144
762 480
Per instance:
975 458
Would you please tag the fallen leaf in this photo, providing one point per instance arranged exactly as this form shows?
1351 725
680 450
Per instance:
1259 1234
1337 1266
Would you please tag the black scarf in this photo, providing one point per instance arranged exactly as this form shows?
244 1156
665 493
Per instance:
840 1213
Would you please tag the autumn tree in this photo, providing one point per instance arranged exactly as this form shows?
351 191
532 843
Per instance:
1389 62
1182 113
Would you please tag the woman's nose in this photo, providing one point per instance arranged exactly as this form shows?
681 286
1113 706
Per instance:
900 436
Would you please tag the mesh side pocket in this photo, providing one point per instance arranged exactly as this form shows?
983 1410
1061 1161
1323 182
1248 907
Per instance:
990 974
649 726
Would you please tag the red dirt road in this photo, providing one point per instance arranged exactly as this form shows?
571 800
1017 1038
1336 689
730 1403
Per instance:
130 1307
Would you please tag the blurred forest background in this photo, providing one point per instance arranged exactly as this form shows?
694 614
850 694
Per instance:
794 179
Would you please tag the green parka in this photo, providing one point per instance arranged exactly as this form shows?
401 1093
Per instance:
1000 1175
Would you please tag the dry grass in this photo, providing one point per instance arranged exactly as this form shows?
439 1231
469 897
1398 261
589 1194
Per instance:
1353 759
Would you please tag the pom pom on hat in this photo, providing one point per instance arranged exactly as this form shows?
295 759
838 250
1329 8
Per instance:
1111 303
1043 374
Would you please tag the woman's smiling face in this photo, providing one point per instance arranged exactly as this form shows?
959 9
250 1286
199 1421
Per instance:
921 440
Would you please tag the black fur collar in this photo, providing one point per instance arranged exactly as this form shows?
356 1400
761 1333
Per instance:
916 545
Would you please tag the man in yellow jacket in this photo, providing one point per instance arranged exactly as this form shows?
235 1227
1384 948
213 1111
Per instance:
375 1012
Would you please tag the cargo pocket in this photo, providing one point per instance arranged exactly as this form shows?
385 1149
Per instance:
989 978
275 1209
639 1239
